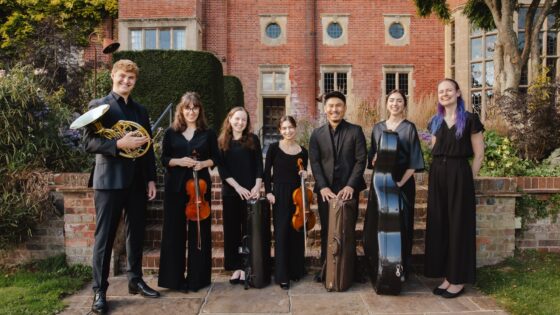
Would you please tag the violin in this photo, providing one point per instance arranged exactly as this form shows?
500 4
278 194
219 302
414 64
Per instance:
302 217
197 208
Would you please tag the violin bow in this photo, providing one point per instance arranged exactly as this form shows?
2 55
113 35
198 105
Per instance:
197 202
304 201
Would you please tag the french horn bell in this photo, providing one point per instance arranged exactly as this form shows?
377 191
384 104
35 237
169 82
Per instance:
90 119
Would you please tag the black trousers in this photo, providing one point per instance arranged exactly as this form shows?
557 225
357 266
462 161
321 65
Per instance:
235 227
451 222
289 247
109 205
176 232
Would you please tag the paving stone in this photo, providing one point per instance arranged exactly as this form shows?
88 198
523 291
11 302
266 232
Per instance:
327 303
385 304
227 298
304 297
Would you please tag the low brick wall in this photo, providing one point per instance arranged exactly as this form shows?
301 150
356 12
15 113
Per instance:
497 238
543 234
495 219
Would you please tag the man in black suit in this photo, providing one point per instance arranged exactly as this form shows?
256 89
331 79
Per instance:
337 153
120 183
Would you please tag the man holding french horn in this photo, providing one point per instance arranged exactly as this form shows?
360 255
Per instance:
118 132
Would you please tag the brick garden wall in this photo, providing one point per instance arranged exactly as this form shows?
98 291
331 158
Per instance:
497 238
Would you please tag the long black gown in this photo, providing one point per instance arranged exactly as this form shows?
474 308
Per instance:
281 179
172 257
409 157
244 165
451 220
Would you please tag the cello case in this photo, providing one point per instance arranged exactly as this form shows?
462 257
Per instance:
256 244
383 243
341 247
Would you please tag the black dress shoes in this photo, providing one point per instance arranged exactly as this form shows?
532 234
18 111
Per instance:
140 287
438 291
285 285
99 305
318 277
449 295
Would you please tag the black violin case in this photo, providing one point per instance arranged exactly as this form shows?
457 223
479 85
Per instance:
256 244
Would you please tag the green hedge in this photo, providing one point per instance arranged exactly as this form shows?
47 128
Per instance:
165 75
233 92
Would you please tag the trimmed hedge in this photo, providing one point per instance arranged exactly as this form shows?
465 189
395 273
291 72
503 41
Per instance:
165 75
233 93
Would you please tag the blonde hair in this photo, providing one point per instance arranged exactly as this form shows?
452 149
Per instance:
126 66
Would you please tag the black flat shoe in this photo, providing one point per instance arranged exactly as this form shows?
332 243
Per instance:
234 281
438 291
449 295
99 305
285 285
318 277
184 287
140 287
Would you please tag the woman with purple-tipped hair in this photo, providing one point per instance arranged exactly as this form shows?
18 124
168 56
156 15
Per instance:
451 220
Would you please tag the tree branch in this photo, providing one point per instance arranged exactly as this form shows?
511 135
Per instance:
493 7
533 24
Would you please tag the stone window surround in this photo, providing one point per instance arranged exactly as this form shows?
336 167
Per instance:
404 20
338 69
193 30
267 68
342 20
398 69
282 21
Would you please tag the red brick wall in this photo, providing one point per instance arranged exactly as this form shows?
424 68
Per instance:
233 32
136 9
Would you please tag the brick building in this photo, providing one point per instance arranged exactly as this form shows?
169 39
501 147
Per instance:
287 53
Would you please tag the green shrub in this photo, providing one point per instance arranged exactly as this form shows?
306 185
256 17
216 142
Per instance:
165 75
233 93
33 141
501 157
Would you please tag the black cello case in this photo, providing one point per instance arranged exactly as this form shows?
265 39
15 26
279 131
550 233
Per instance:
384 221
256 244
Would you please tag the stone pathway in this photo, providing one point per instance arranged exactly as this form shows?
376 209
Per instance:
304 297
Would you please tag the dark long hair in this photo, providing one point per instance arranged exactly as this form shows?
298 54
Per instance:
460 113
226 133
179 122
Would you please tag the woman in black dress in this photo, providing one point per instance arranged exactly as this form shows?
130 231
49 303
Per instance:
241 171
451 220
281 178
187 145
409 161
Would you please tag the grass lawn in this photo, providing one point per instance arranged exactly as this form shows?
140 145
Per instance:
528 283
38 287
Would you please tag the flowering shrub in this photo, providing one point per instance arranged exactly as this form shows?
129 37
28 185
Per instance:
425 140
501 157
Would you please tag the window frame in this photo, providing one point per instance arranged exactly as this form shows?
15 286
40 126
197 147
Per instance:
158 29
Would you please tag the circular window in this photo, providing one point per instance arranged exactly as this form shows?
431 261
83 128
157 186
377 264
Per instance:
273 30
334 30
396 30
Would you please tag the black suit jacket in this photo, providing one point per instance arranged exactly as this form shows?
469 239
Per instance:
111 171
351 157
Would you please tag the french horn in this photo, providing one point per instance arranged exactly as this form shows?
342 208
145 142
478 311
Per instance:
90 119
